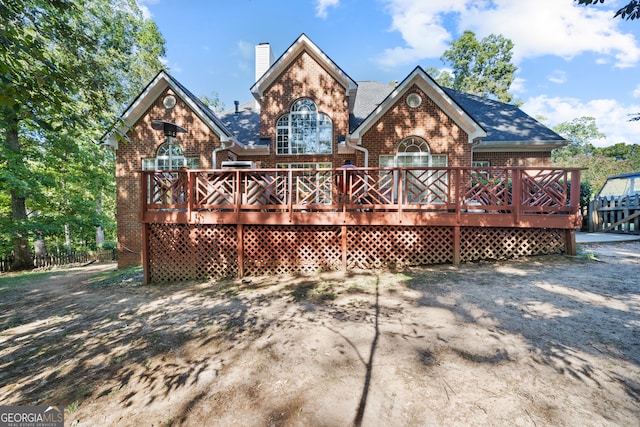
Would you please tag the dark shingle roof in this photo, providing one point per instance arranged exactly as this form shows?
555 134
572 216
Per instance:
504 123
368 96
245 124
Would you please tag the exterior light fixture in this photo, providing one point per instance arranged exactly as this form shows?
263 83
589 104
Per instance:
169 129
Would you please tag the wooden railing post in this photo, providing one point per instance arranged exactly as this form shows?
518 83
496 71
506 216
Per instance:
574 202
457 185
516 192
143 194
401 177
190 194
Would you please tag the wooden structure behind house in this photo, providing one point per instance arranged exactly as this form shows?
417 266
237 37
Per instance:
616 207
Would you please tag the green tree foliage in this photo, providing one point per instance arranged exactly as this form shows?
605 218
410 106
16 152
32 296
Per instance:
630 11
67 67
481 68
598 162
213 102
579 132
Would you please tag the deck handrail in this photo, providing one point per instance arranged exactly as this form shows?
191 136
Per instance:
513 191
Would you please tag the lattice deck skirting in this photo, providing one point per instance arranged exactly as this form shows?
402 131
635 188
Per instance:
178 252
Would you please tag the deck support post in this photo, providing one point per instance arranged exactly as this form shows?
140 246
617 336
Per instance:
456 245
345 247
570 242
145 253
240 250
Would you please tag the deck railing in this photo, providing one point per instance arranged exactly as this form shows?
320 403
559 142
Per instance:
363 194
217 223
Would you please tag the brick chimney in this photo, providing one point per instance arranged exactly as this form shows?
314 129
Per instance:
264 59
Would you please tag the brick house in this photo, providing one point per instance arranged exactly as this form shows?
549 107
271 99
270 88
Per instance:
307 112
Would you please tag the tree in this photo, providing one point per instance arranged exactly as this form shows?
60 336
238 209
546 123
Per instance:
598 163
579 132
213 102
480 68
630 11
66 68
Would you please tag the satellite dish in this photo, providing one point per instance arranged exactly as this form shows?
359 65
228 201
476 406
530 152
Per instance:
169 129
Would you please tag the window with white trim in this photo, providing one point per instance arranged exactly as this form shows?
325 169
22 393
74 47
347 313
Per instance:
169 156
415 152
304 130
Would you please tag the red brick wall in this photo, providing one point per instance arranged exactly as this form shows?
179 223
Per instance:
304 78
515 159
427 121
199 142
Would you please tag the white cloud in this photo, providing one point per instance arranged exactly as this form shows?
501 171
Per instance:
557 77
323 5
552 27
422 29
142 4
636 92
518 85
536 27
612 118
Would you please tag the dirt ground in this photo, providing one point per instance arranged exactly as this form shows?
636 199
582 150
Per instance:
541 341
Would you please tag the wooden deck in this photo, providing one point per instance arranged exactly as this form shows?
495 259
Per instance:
446 210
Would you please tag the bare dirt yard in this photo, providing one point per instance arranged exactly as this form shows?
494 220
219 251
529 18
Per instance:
541 341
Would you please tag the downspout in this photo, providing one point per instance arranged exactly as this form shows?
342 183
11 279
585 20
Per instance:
359 148
366 159
222 147
474 144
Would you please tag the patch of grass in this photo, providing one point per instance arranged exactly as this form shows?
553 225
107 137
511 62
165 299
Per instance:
128 277
72 407
587 256
15 280
314 292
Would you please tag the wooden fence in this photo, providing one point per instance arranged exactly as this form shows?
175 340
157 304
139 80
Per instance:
615 214
58 259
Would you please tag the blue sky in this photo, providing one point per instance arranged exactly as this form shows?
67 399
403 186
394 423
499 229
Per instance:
572 60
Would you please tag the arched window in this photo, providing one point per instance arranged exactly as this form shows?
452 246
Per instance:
304 130
413 152
427 187
169 156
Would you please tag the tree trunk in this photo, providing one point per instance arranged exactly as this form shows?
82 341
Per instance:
39 245
67 237
21 253
99 230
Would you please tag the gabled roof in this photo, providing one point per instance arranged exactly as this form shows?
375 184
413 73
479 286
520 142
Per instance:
148 96
441 98
302 43
506 125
